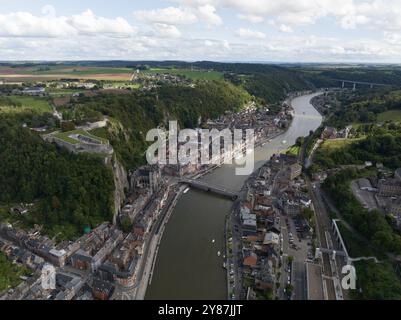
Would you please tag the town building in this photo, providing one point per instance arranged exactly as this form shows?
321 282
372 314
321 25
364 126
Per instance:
389 187
294 171
102 290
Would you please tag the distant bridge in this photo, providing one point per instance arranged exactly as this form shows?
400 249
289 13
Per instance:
232 195
354 83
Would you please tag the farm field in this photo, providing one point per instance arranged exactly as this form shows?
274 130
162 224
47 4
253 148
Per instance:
190 74
60 72
390 115
23 103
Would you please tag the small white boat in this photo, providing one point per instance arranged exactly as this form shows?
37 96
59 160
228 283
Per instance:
213 241
284 141
219 254
186 190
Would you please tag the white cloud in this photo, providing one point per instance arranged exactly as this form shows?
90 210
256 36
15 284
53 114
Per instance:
252 18
181 15
88 23
208 14
25 24
347 13
249 34
176 32
351 21
285 28
166 30
169 15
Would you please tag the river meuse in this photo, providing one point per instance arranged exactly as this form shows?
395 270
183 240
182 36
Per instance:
187 265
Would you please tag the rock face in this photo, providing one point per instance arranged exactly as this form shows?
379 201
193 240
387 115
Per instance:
120 184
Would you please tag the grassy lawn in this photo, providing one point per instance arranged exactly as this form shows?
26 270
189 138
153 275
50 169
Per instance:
391 115
10 273
338 143
294 150
65 136
38 105
190 74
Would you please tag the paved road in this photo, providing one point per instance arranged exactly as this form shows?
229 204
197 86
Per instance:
298 271
235 262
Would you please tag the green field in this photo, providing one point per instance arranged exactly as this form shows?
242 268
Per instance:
338 143
60 92
294 150
391 115
10 273
65 136
80 71
23 103
190 74
67 72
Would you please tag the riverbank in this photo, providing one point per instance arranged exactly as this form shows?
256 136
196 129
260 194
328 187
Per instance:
235 271
187 259
154 245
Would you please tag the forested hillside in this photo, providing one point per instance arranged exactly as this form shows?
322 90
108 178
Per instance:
70 191
132 115
364 106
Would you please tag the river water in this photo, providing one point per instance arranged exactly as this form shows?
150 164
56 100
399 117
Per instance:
187 265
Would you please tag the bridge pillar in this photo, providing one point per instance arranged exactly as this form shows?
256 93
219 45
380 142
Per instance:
343 85
354 88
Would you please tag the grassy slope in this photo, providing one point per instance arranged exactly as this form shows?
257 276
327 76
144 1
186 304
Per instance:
38 105
390 115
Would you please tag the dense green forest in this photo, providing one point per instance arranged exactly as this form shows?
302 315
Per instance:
378 148
73 191
372 224
363 106
377 281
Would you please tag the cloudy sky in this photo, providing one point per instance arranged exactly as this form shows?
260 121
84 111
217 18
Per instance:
220 30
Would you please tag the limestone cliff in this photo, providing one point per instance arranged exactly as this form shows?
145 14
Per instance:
120 185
